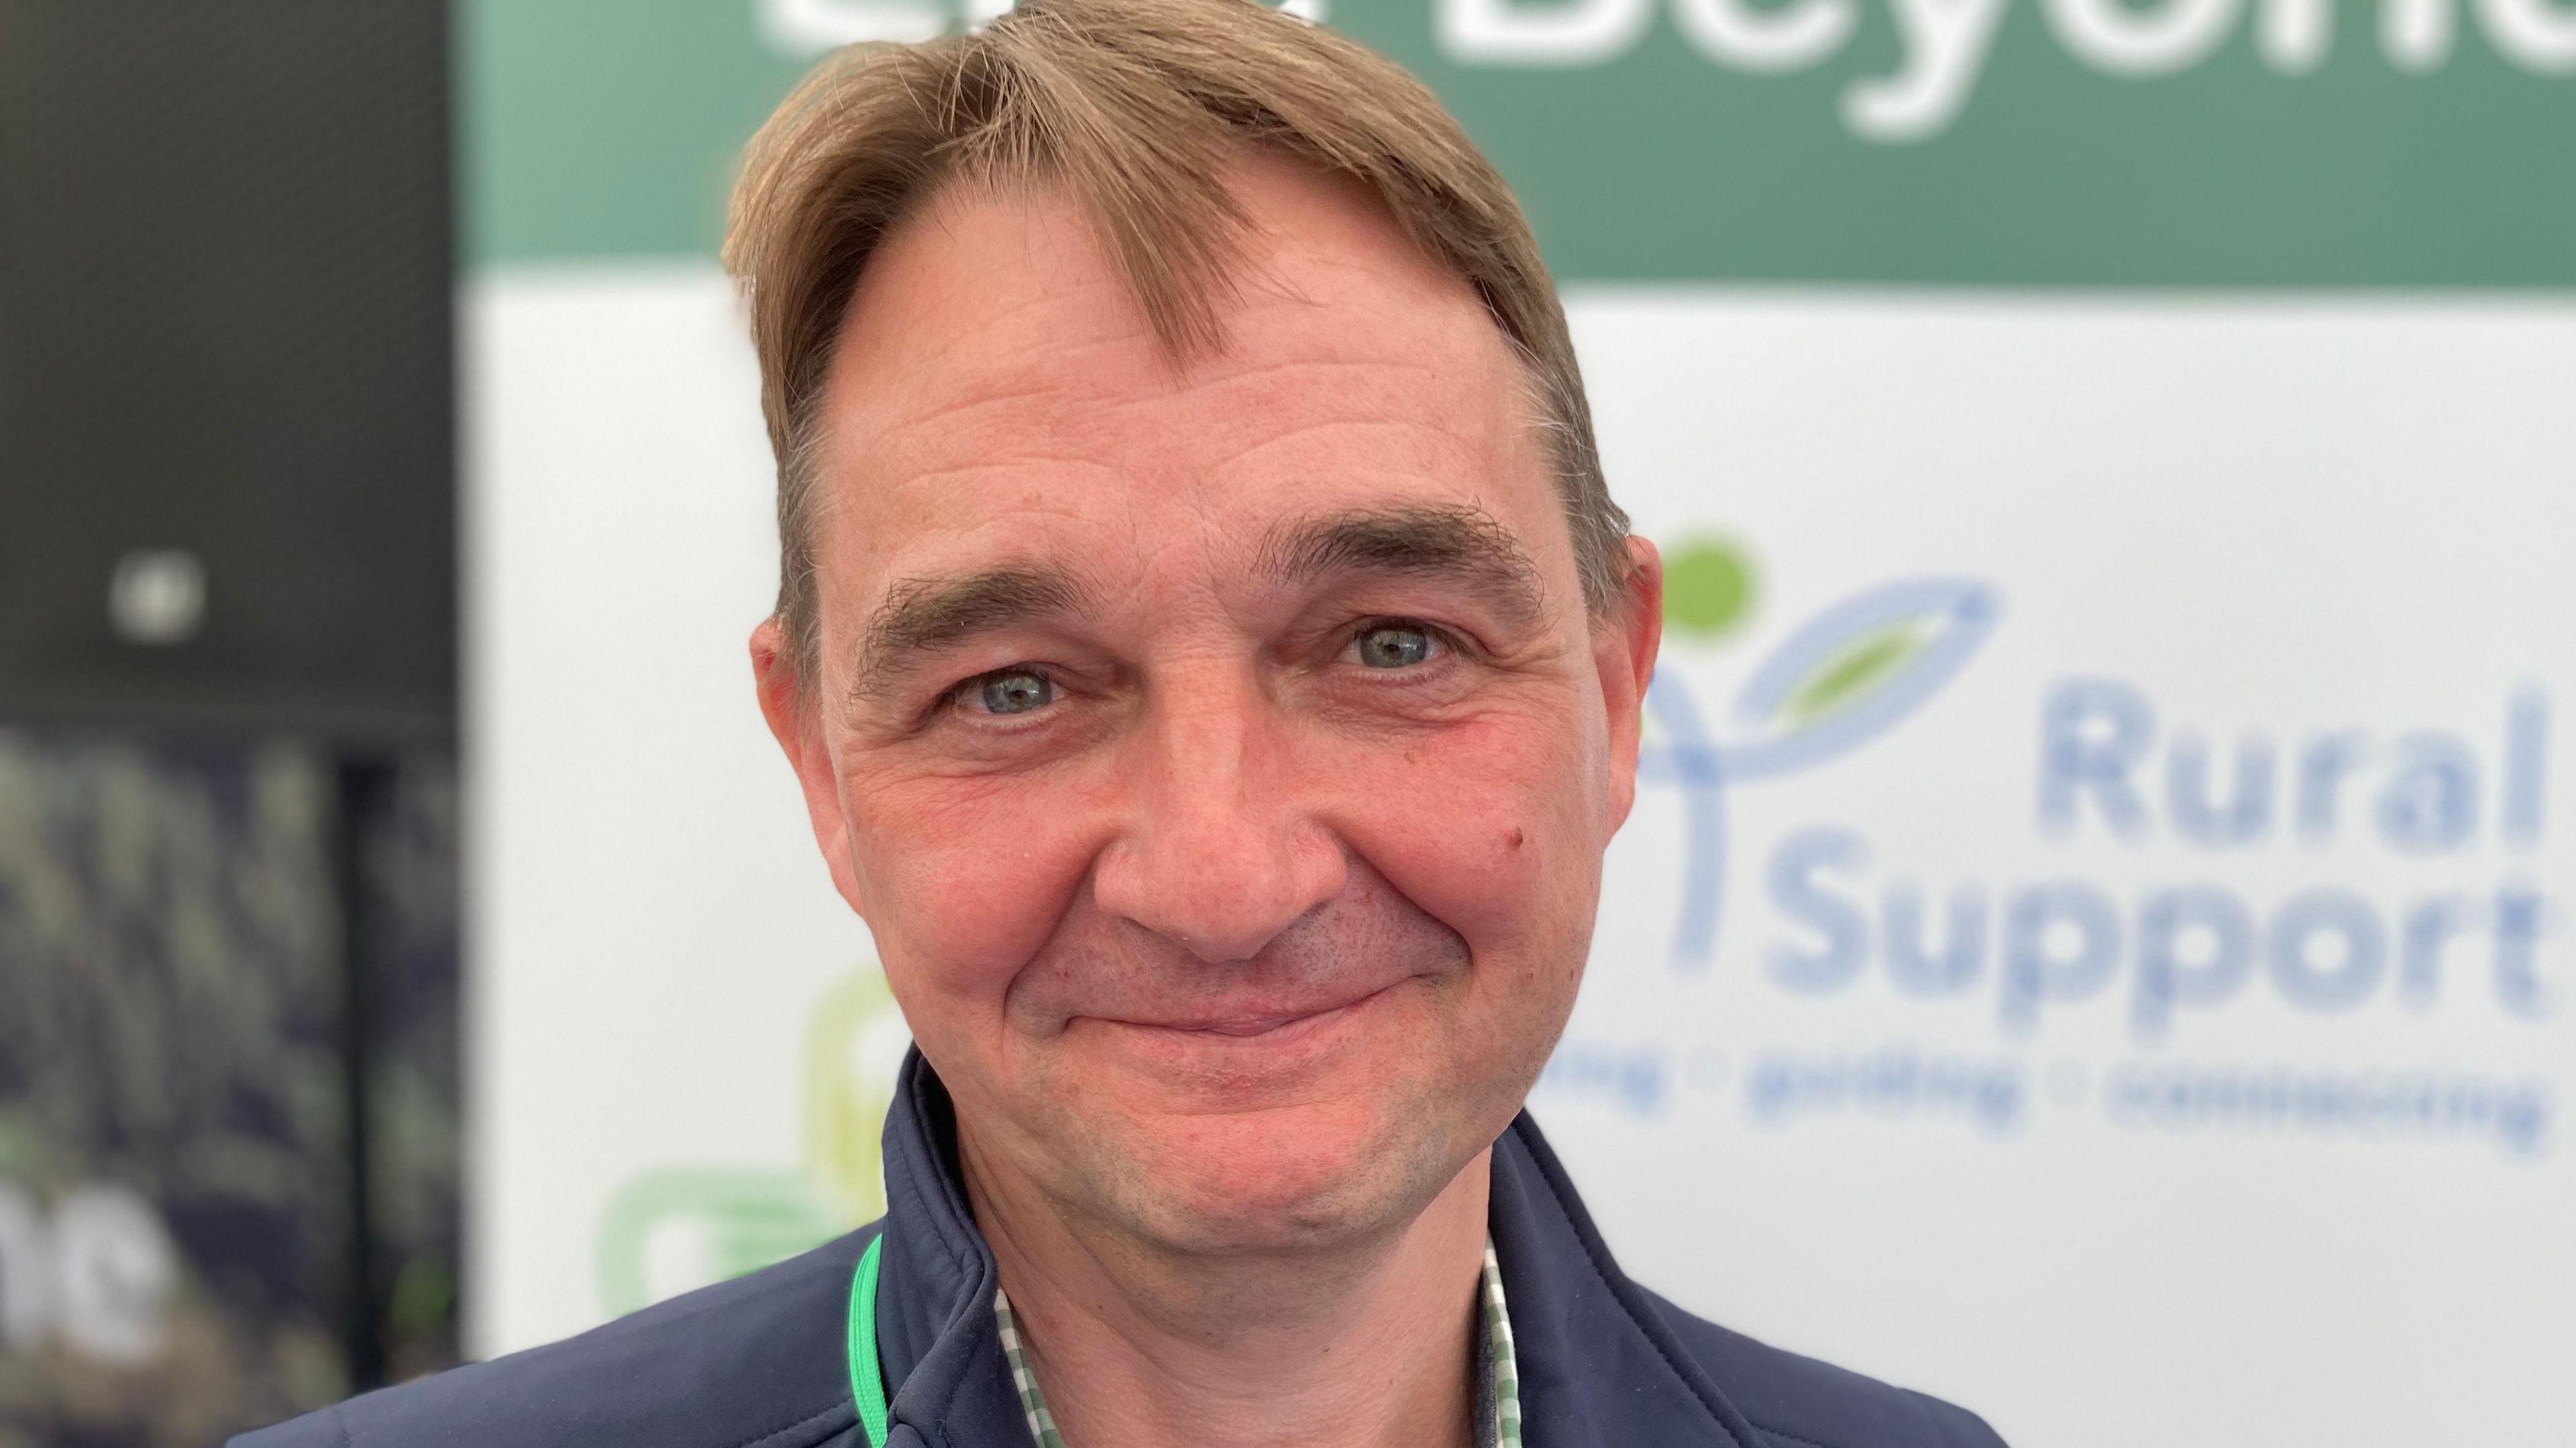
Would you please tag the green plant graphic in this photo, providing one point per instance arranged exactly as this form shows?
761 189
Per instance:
854 1043
1850 674
729 1220
1709 588
705 1224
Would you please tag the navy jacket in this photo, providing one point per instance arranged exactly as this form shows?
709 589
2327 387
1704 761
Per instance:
761 1362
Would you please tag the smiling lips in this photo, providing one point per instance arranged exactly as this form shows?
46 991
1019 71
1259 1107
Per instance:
1247 1026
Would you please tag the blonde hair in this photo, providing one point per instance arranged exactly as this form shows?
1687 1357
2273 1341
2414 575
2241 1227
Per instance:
1133 106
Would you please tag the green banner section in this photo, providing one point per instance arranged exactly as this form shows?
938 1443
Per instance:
2119 143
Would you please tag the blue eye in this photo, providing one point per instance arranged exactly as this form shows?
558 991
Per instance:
1393 646
1016 691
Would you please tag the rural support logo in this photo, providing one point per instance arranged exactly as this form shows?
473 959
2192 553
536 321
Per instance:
668 1231
1839 680
2253 924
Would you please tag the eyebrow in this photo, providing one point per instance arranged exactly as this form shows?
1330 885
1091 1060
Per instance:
921 614
1460 544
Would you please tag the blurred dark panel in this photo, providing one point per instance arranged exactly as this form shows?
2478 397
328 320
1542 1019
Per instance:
177 1259
226 455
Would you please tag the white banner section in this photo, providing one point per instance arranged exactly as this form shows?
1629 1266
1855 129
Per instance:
2093 942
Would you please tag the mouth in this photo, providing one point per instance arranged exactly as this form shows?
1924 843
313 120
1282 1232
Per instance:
1268 1025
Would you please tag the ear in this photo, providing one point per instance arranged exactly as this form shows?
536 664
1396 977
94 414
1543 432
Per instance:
1624 641
786 701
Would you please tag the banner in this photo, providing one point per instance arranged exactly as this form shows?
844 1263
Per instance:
2092 942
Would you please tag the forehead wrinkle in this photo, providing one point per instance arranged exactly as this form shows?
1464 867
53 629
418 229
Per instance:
1061 374
893 334
1228 376
958 411
1411 457
1056 471
1424 540
1086 313
1020 406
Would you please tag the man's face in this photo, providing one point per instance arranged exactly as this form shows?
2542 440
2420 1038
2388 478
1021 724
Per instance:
1222 755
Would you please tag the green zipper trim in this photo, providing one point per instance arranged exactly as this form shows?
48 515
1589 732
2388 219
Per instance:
867 1379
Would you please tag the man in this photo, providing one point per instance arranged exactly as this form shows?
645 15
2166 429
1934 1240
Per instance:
1213 664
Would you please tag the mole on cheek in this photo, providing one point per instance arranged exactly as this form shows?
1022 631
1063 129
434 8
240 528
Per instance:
1515 837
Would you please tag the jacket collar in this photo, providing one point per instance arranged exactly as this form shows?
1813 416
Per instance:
1598 1364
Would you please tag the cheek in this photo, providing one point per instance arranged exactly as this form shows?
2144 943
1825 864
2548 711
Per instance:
1493 829
962 881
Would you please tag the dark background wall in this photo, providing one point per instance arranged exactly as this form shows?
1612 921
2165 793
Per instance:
228 797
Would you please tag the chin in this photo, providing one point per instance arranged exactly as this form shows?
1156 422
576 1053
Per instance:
1288 1179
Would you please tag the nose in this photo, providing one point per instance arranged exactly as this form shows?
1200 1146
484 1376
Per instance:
1219 852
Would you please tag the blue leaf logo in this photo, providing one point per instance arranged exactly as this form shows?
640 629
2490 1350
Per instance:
1836 682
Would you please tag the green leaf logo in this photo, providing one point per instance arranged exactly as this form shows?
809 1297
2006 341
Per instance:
1848 675
1709 588
670 1231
